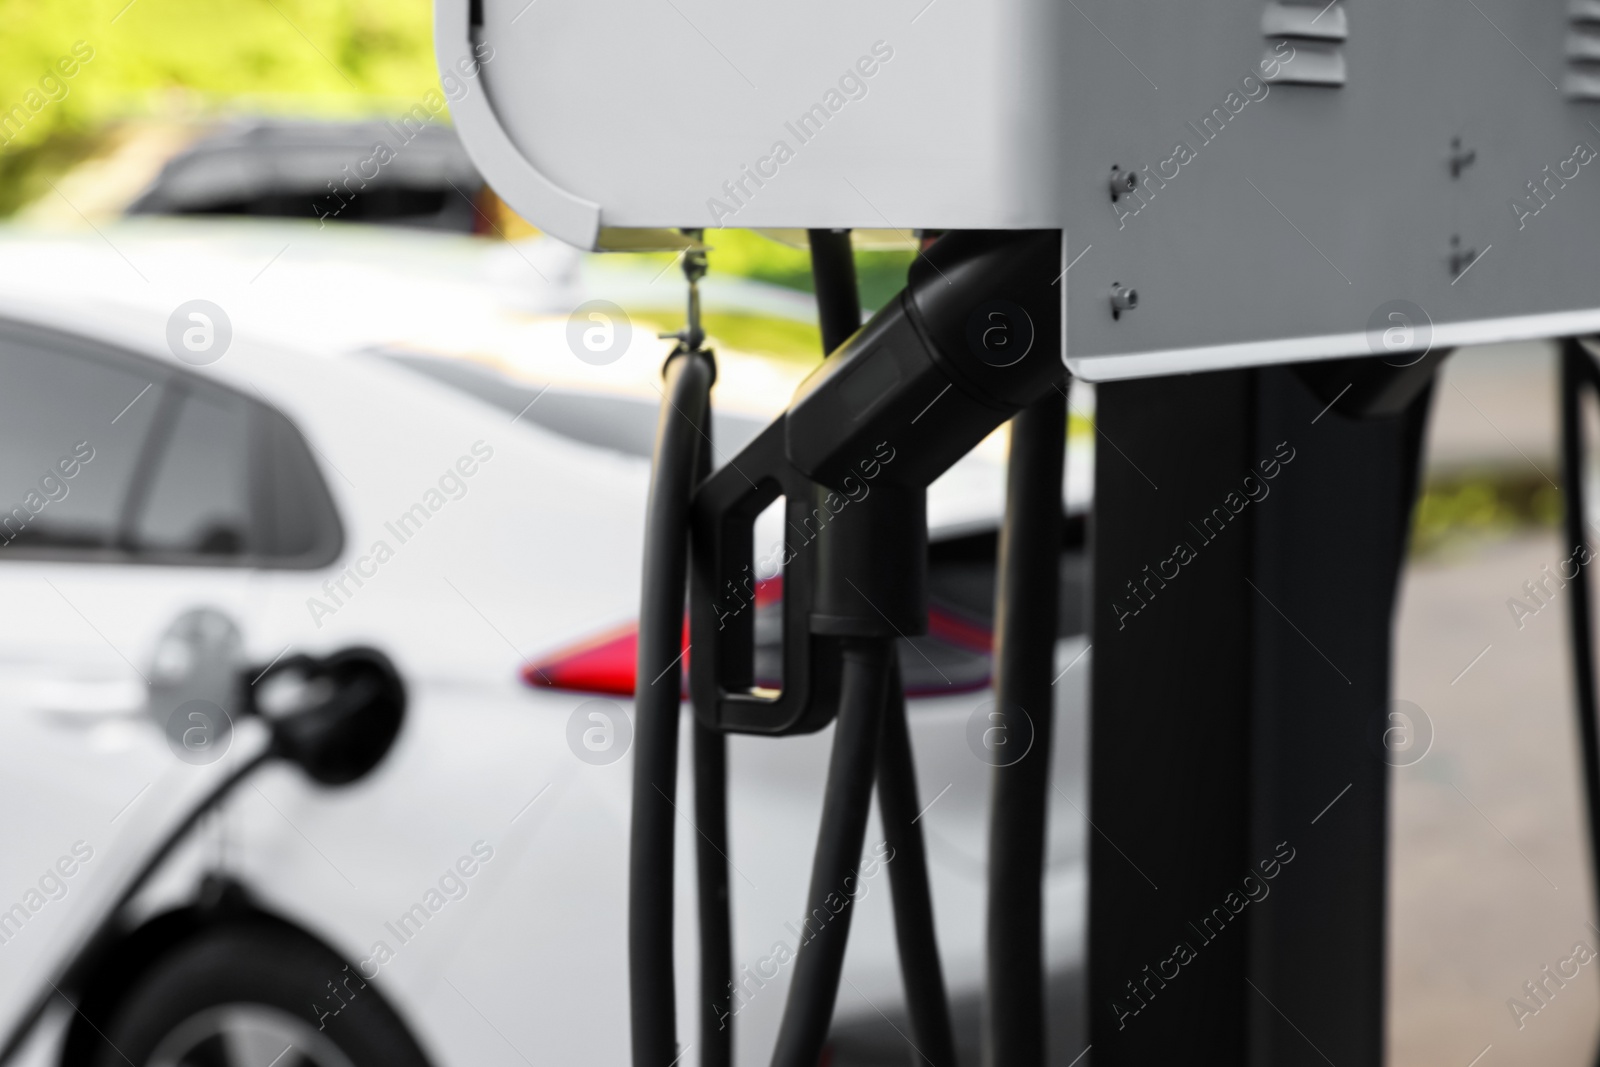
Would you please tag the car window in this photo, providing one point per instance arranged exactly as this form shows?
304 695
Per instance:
71 430
199 497
109 457
297 523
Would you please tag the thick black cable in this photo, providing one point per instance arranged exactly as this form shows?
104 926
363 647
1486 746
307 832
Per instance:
926 1003
1577 370
711 881
104 932
834 879
716 927
833 275
1025 639
839 315
657 701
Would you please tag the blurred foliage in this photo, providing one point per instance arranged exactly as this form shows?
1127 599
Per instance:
194 58
299 56
765 335
752 255
25 171
1477 506
879 274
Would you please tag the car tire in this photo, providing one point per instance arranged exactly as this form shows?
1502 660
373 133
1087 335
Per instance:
254 996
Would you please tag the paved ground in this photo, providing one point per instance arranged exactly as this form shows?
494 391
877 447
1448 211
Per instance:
1490 873
1494 407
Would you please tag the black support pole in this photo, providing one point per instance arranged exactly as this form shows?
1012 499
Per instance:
1025 640
1330 542
1169 738
1248 540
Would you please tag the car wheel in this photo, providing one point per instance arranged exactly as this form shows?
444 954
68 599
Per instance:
258 996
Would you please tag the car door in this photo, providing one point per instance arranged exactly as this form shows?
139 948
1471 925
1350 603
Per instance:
137 510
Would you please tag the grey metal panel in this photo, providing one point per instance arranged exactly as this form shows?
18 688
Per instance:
643 114
1311 203
1314 206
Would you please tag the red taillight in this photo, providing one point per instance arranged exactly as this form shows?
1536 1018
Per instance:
959 631
608 663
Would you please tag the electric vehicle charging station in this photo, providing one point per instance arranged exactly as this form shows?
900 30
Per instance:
1261 226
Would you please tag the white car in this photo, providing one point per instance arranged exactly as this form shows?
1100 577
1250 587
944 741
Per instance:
384 438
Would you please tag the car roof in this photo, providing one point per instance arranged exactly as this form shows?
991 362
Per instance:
486 317
342 289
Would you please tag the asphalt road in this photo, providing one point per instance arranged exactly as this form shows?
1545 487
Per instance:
1490 874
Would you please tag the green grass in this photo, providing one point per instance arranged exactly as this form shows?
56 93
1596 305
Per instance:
746 254
782 339
1477 506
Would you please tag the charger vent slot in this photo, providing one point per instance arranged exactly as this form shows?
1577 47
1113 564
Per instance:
1582 78
1317 33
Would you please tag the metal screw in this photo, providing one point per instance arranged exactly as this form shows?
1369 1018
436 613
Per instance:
1460 160
1122 182
1123 299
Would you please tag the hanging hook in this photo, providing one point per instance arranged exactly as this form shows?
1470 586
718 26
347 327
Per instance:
693 336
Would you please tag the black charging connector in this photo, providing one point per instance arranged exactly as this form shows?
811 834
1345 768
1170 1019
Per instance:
974 338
